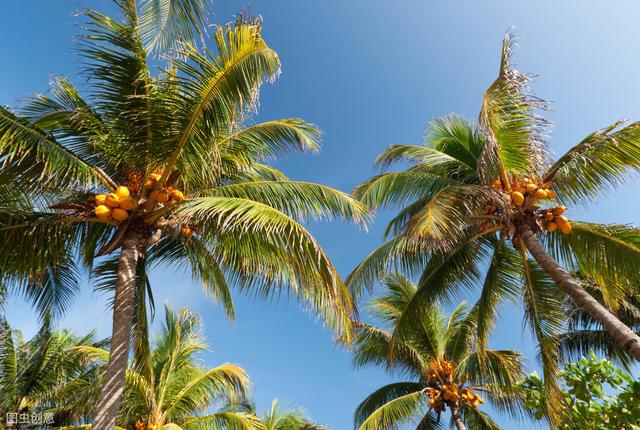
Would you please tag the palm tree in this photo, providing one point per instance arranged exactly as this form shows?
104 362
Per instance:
166 168
476 200
31 371
278 418
166 387
440 356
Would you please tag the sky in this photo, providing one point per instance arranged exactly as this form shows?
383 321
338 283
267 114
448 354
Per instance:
370 73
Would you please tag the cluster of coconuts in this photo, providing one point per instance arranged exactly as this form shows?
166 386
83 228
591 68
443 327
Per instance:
523 188
444 391
115 206
555 220
140 425
164 195
118 205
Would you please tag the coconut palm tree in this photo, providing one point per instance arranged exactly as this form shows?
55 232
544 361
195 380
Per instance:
167 387
440 358
279 418
31 371
478 201
165 168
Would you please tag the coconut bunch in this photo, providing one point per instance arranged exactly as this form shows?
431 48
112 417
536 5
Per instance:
443 390
138 197
526 195
115 206
526 191
555 220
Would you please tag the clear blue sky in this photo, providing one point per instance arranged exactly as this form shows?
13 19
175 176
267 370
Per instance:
370 73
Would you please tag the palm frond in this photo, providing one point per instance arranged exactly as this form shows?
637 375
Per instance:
515 133
603 160
301 200
607 253
47 158
224 420
389 409
219 88
165 24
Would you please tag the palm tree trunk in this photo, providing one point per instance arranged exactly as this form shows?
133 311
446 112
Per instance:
457 418
113 384
622 334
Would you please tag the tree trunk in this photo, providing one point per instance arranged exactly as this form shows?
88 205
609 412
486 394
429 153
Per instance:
622 334
113 384
457 418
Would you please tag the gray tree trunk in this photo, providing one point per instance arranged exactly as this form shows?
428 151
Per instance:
113 384
622 334
457 418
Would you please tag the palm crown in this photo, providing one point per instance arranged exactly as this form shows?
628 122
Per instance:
475 199
31 371
166 167
441 357
167 387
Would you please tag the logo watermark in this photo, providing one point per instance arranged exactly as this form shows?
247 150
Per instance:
26 419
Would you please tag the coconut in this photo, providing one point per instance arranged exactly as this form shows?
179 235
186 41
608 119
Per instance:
517 198
122 192
552 226
548 216
119 214
112 200
566 228
128 204
541 193
551 194
177 195
100 199
103 211
531 188
186 231
558 210
160 196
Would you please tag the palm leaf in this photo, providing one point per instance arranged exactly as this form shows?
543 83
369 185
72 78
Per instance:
601 161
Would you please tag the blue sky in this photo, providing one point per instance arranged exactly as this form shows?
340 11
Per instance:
370 73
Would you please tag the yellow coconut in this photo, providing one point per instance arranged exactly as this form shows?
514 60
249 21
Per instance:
100 199
161 197
517 198
552 226
548 216
531 188
177 195
558 210
560 220
128 204
566 228
122 192
112 200
541 193
103 211
551 194
119 214
186 231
